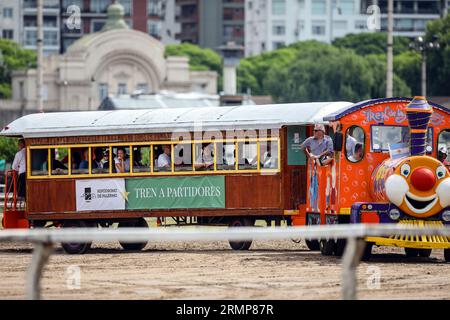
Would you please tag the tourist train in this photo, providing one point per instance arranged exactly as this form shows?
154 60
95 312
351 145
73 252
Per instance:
237 166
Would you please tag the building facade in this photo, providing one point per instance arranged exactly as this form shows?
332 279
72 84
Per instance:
10 26
211 24
155 17
114 61
271 24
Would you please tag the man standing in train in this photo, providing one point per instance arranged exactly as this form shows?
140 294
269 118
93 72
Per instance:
19 165
319 147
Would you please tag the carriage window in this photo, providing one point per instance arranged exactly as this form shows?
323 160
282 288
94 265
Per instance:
80 160
100 160
383 136
226 156
121 159
162 158
204 156
60 160
354 143
268 155
444 146
38 162
247 156
141 159
183 157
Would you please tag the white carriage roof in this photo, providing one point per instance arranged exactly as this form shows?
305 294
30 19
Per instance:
63 124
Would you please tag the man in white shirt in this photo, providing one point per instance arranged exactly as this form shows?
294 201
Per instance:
164 159
19 165
350 143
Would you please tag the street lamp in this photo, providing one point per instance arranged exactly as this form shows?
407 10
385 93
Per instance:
422 46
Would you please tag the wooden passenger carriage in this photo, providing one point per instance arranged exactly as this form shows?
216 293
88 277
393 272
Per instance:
248 191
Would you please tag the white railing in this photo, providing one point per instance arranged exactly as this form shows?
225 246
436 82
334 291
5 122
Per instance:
44 240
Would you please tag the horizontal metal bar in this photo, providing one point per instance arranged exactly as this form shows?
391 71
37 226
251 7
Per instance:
216 233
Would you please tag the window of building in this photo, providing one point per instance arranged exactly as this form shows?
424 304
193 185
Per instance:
102 91
354 144
67 3
143 88
340 25
420 24
97 25
50 38
318 27
403 24
278 7
7 12
154 28
121 88
50 22
7 34
30 37
318 7
278 28
347 7
127 7
154 7
99 6
278 44
360 25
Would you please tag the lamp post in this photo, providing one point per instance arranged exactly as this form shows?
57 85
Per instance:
422 46
331 6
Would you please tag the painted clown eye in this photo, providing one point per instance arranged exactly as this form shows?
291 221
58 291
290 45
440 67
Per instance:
405 170
440 172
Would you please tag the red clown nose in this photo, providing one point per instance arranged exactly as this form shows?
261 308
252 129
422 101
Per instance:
423 179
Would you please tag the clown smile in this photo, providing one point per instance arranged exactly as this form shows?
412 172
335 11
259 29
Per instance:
420 204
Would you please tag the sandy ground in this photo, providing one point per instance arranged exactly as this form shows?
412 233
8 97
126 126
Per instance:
181 270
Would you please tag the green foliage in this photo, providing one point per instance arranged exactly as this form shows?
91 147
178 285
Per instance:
407 67
199 59
371 43
8 149
12 57
438 61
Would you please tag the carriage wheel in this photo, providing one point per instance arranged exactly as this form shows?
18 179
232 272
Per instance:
241 222
367 254
340 247
76 247
411 252
424 253
138 223
327 247
447 255
313 245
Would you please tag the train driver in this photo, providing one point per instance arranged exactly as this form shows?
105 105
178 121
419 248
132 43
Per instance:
319 147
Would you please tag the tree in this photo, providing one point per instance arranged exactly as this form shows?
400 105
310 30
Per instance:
314 71
438 61
371 43
12 57
8 149
407 67
199 59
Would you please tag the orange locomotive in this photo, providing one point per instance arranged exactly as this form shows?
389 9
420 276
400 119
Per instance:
384 171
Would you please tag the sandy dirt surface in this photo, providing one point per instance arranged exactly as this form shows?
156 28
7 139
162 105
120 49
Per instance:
181 270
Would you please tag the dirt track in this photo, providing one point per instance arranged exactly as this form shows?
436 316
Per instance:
270 270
